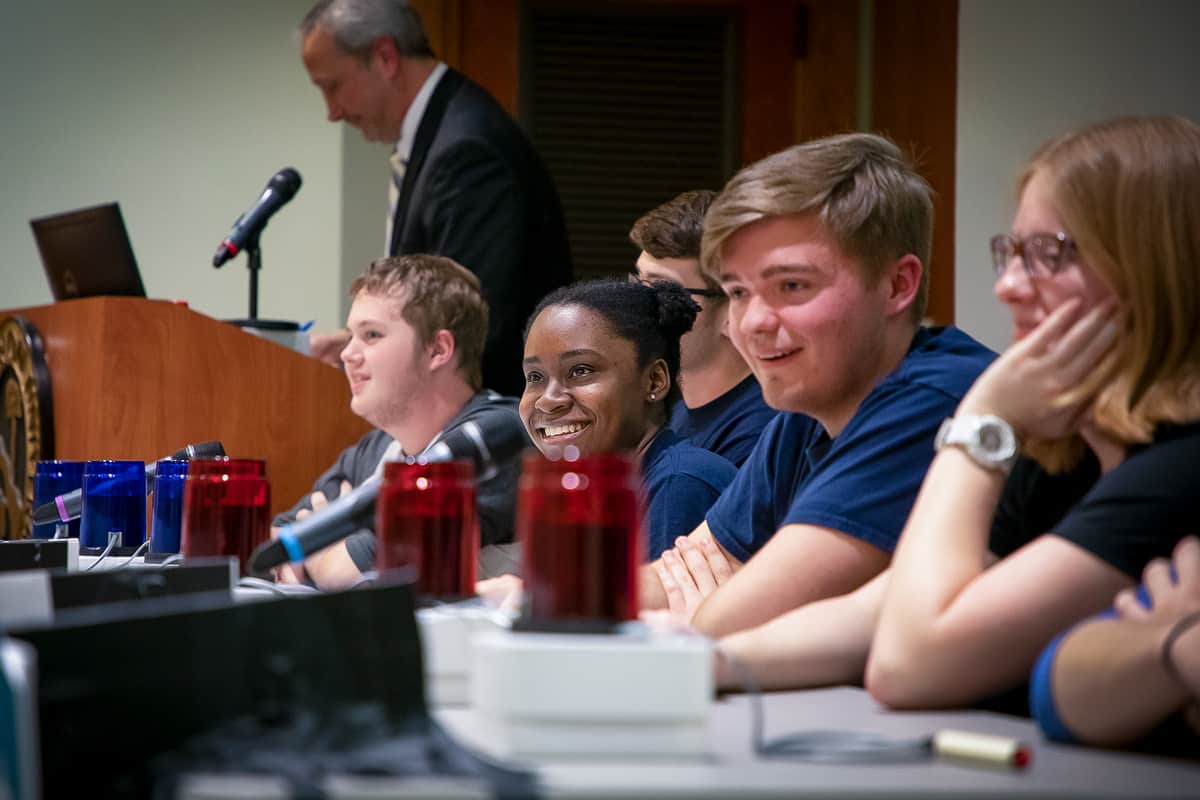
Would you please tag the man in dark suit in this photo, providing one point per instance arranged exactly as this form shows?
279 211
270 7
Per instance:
467 182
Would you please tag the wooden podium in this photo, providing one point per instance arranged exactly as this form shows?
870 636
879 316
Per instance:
139 379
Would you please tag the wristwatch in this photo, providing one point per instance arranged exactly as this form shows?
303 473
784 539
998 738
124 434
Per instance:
988 440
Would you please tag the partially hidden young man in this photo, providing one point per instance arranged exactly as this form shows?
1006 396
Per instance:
722 409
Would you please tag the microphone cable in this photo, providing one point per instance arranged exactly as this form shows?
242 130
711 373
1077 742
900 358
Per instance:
113 538
141 549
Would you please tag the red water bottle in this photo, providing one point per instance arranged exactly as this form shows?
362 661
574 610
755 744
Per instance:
426 518
579 521
226 508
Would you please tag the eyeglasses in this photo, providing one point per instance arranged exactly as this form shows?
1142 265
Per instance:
713 293
1043 254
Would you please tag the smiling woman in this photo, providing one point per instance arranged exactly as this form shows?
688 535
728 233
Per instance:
601 374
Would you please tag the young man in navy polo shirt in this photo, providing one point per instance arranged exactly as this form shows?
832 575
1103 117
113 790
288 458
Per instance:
822 250
722 409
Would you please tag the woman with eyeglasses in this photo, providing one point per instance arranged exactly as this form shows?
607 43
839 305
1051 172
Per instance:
1069 465
601 375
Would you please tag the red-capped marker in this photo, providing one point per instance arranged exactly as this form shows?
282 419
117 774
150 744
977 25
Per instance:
982 749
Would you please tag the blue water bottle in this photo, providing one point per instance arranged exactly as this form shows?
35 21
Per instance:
50 480
167 511
114 499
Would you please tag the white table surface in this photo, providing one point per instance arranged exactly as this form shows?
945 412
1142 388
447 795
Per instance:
731 770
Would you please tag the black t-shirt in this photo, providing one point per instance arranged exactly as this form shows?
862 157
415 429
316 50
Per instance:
1135 513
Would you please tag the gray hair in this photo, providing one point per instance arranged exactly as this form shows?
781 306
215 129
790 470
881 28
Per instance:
355 24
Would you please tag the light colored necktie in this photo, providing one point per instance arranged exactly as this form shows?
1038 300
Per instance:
397 164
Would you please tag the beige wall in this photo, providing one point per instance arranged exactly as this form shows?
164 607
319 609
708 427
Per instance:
1029 69
180 111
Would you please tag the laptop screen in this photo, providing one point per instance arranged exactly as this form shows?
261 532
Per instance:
87 253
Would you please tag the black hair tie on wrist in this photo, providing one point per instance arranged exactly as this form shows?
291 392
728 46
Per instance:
1180 627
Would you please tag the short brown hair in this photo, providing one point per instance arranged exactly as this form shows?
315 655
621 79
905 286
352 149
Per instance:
438 294
674 229
862 187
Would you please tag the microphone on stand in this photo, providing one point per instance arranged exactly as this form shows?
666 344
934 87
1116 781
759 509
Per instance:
280 189
69 506
487 445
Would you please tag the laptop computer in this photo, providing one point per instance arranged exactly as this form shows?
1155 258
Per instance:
87 253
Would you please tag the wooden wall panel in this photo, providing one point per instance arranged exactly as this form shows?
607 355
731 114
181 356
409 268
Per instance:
479 38
826 71
768 79
799 80
442 20
489 43
914 100
483 40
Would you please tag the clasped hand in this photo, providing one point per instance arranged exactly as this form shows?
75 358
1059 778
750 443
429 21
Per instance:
690 572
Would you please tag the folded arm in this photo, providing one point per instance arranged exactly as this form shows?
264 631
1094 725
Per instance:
799 565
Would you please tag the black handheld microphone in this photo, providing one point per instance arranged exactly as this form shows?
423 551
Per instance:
487 445
280 189
67 507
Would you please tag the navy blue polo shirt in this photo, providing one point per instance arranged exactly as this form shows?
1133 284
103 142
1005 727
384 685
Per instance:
681 482
728 425
864 482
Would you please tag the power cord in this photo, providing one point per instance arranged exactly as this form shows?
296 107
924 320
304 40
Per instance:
113 538
141 549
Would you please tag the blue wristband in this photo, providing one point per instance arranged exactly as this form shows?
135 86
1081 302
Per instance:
291 545
1041 695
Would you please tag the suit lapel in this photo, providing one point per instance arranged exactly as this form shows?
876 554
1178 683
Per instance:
446 88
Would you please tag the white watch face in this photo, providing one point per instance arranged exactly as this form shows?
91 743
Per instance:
995 440
988 440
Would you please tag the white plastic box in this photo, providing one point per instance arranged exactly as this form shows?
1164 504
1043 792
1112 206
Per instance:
629 695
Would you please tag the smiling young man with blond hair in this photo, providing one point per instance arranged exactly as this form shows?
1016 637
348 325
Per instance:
823 250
